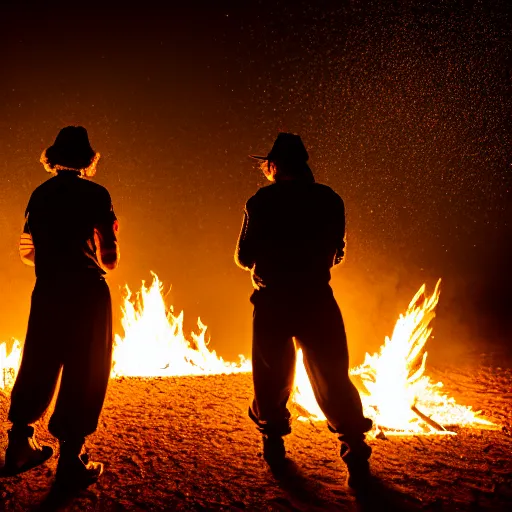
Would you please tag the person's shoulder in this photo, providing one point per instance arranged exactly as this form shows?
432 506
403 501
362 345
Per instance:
266 190
262 195
95 188
327 192
92 185
324 189
47 184
42 189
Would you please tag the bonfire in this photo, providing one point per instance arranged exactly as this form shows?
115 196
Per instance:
154 344
396 393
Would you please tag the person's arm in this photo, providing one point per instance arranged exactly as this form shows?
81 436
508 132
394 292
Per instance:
107 246
244 254
339 227
105 239
26 246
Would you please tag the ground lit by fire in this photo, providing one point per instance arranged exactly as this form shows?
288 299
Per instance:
396 393
186 443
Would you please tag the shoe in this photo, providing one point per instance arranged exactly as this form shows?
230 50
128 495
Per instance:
23 451
75 470
359 475
356 458
274 451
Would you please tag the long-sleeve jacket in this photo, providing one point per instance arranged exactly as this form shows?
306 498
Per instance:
292 234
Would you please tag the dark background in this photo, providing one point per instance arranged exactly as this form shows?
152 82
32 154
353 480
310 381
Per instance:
404 107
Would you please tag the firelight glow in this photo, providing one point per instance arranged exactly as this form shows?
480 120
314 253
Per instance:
9 364
154 344
396 394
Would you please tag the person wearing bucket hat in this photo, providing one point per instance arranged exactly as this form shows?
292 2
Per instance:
71 151
293 233
70 237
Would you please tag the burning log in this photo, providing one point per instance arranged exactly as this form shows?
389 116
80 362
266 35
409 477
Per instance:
428 420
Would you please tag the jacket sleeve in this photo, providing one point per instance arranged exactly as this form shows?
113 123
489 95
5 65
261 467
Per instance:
339 231
105 236
26 246
244 254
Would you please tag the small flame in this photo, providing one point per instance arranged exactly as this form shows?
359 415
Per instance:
154 344
9 365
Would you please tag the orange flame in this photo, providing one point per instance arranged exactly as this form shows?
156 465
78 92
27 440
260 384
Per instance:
9 365
396 393
154 344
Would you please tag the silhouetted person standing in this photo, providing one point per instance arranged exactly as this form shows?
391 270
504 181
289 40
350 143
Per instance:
292 234
70 237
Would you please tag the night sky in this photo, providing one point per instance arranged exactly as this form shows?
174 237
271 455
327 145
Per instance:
404 107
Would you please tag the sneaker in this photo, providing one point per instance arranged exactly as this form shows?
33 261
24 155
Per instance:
359 475
77 471
274 451
23 451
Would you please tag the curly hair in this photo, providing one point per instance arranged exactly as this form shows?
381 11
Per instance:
87 172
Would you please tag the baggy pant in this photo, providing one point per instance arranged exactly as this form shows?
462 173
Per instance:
69 329
314 319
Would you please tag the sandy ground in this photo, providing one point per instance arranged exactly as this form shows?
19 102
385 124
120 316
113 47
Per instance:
187 444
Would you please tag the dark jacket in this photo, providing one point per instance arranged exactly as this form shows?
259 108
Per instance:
292 234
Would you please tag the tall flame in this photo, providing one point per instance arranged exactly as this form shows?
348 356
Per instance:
154 344
396 393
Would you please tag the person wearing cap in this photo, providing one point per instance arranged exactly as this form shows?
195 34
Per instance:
70 238
293 233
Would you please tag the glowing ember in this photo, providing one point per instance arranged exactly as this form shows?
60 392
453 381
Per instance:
9 364
396 394
154 344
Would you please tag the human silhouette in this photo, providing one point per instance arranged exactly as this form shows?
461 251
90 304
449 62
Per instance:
70 237
292 234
